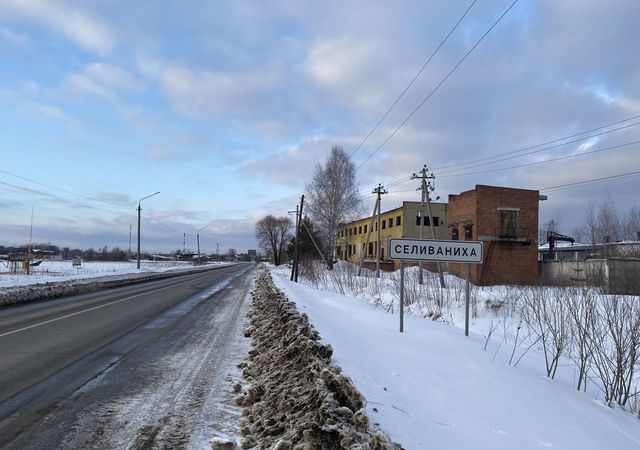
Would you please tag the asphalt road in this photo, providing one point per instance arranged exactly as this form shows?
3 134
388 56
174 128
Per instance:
53 352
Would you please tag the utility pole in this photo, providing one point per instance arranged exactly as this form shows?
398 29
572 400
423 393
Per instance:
139 211
184 243
379 191
129 252
426 187
295 245
423 190
198 239
218 252
366 244
296 250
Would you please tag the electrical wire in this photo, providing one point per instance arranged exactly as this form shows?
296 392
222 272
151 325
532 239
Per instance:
613 147
111 205
55 197
591 181
413 80
553 141
536 151
435 89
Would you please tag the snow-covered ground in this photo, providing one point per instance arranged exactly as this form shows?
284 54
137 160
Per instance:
56 271
432 387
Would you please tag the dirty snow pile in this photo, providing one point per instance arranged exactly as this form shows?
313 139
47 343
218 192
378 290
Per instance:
297 399
432 387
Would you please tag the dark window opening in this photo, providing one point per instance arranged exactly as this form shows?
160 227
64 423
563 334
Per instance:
398 221
390 222
365 228
454 233
360 229
384 224
508 223
468 232
370 248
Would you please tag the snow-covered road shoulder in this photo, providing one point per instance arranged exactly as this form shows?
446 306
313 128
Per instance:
432 387
297 399
21 289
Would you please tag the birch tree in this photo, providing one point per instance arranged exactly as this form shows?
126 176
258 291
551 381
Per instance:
333 197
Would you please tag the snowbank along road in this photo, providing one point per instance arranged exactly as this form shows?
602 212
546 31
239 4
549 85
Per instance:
298 399
145 366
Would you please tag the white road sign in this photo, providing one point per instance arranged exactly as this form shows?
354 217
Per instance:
435 250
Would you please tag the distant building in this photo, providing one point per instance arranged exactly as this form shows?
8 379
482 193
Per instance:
253 255
400 222
506 220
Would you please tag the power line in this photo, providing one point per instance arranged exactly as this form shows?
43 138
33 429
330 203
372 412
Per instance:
59 189
413 80
433 91
591 181
471 166
55 197
613 147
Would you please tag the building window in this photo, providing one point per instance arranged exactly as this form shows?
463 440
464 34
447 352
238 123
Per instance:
426 221
376 226
390 222
468 232
454 233
508 223
398 221
384 224
370 248
360 229
365 228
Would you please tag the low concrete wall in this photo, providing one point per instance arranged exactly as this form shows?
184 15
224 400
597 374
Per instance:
615 275
624 275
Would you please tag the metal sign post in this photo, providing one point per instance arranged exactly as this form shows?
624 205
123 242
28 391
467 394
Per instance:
469 252
467 292
401 296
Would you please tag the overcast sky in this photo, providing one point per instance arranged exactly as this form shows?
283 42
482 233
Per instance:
225 108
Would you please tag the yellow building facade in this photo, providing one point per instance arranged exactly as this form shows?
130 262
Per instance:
357 240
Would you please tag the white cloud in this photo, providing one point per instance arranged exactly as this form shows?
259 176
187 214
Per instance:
44 110
103 80
201 93
14 37
85 29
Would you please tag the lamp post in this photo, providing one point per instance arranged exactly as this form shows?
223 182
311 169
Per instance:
139 210
198 238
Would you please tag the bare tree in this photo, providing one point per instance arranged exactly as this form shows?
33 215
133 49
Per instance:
632 223
608 222
333 197
589 230
273 233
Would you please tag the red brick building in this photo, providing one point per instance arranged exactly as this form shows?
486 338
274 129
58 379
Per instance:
506 220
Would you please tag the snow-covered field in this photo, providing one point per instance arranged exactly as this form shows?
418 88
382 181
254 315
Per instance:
56 271
432 387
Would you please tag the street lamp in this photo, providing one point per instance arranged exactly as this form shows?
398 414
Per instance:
140 209
198 237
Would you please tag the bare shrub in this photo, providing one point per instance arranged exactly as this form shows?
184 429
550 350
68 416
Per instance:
615 344
546 314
